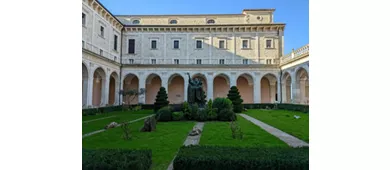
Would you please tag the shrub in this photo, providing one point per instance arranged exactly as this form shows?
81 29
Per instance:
238 158
193 112
235 97
116 159
236 130
227 115
164 114
161 99
202 114
222 103
126 130
177 116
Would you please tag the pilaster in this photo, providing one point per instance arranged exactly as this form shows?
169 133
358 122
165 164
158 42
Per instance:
256 88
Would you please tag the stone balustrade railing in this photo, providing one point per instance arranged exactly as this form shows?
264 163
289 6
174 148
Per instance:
194 61
295 53
99 51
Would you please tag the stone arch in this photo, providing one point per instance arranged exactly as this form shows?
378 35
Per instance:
221 85
113 91
203 78
268 84
176 89
245 87
152 84
99 83
85 84
131 82
286 87
302 86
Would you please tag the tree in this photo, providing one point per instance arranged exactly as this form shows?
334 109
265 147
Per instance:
235 97
131 94
161 99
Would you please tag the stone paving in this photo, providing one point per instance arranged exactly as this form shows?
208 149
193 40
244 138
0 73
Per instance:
191 140
289 139
102 130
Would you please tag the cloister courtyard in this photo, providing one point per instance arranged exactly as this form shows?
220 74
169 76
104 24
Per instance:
261 128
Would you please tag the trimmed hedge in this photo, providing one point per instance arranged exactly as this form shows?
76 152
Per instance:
115 159
100 110
164 114
238 158
284 106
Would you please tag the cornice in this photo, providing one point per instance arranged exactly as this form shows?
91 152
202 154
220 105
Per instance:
206 28
294 59
101 57
266 66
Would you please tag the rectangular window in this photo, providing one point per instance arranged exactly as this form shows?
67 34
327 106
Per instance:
153 61
84 19
222 44
101 52
245 61
269 61
131 46
154 44
176 61
131 61
83 44
268 44
221 61
176 44
198 61
102 31
115 42
245 44
198 43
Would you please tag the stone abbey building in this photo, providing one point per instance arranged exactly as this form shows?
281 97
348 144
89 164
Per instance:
223 50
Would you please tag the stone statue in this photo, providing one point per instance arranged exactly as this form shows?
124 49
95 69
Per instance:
195 91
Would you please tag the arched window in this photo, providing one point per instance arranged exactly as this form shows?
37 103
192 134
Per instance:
135 21
173 21
210 21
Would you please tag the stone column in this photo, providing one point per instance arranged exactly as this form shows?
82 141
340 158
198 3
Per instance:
210 89
106 90
279 91
117 87
273 91
185 89
141 84
284 92
164 81
233 79
90 89
256 88
294 89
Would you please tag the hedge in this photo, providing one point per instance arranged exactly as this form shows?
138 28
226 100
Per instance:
94 111
284 106
116 159
238 158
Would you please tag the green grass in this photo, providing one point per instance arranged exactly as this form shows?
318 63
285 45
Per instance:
119 118
164 142
219 133
285 121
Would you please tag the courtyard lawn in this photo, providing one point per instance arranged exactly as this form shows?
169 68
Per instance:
219 133
120 117
284 120
115 113
164 142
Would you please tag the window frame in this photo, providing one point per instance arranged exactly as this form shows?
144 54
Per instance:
271 43
245 61
248 46
151 44
223 61
224 44
178 44
101 52
210 21
201 43
84 19
135 20
170 22
115 42
199 62
155 61
131 61
270 61
174 61
102 31
128 46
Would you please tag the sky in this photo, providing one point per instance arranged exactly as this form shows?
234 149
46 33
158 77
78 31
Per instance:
294 13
